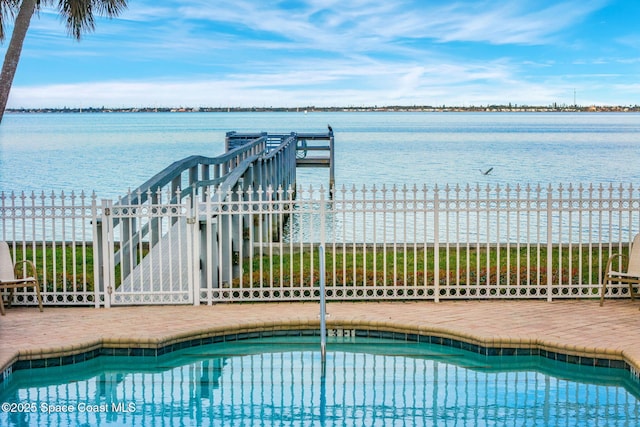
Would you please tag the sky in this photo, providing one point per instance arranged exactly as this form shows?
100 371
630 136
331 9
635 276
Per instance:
350 53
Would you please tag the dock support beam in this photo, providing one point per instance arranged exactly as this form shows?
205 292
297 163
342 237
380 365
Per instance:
332 181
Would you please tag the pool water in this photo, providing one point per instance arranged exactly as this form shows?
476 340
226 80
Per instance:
283 381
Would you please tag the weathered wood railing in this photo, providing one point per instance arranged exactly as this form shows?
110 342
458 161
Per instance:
257 163
182 178
200 172
313 150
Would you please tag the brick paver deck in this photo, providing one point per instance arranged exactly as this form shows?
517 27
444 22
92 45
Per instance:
577 327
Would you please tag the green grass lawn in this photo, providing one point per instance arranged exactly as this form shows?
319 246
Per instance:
65 265
68 265
415 266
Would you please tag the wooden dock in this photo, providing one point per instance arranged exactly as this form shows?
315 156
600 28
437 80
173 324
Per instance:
263 162
313 150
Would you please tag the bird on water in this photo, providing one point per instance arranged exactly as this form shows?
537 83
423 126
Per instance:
330 128
487 172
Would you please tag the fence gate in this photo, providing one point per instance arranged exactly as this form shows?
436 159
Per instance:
148 252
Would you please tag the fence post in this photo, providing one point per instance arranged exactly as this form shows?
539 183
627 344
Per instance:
128 229
235 231
106 252
436 244
225 233
193 247
208 245
549 242
98 256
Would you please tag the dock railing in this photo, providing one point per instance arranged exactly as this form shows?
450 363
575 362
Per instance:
313 150
150 231
127 237
251 160
246 243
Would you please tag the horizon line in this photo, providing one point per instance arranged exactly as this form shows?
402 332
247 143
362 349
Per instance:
311 108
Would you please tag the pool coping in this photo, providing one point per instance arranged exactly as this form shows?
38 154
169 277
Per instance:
476 343
133 348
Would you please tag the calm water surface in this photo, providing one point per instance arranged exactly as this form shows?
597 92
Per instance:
110 153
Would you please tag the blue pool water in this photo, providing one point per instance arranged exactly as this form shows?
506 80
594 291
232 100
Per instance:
282 381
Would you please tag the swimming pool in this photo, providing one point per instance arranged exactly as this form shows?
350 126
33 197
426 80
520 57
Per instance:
282 381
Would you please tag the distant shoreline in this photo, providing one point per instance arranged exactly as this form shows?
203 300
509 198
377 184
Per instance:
312 109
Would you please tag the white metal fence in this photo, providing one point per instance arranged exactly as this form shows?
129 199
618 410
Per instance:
381 243
57 233
148 247
424 243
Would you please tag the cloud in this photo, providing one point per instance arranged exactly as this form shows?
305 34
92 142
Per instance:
318 28
323 52
513 22
332 25
337 82
631 40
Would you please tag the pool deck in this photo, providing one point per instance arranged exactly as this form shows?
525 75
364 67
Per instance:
575 328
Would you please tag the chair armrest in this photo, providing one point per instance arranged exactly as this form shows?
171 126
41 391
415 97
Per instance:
610 261
29 265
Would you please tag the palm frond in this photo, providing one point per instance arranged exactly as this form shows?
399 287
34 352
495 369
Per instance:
8 11
79 15
110 8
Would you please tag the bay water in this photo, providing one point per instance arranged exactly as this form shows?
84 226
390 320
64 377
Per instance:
110 153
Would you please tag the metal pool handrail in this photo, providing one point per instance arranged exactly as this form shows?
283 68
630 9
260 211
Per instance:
323 311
